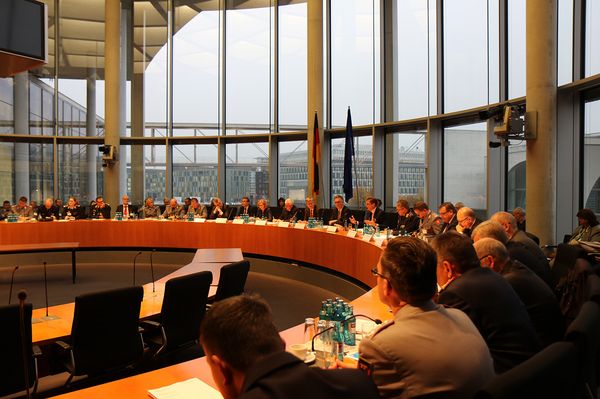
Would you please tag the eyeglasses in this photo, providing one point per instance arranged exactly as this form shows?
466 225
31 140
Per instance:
375 273
483 257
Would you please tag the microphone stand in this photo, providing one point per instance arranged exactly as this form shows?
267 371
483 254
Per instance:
46 294
376 321
22 297
152 269
12 280
134 259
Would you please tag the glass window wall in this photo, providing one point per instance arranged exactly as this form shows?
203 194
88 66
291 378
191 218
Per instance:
195 171
409 169
293 171
516 48
362 169
592 37
591 156
246 171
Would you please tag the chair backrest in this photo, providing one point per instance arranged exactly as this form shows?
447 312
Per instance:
565 258
12 375
105 331
232 280
584 332
550 374
593 288
183 307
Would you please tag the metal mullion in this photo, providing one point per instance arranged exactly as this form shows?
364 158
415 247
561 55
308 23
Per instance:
168 149
578 44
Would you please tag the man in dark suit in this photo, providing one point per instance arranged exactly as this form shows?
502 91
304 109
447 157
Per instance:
100 210
290 213
467 221
373 215
447 212
247 358
539 300
48 211
245 208
487 298
126 209
340 213
311 210
407 222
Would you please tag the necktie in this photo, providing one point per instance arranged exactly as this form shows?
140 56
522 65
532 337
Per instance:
125 210
311 213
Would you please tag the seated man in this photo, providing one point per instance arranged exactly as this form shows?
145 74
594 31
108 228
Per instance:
126 209
5 210
467 221
427 349
538 298
149 210
290 213
263 211
407 222
448 215
486 298
430 224
245 208
519 214
516 250
22 209
186 204
311 210
100 210
218 209
340 214
173 210
197 209
247 358
48 211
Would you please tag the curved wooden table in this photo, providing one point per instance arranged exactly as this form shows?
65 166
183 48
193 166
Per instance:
350 256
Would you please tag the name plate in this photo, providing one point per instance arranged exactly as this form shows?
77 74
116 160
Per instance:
351 233
379 241
300 226
283 224
238 221
332 229
262 222
221 220
367 237
199 220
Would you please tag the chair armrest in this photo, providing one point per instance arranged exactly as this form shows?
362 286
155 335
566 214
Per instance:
37 352
150 323
63 345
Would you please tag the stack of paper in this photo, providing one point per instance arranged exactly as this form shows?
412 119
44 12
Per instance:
192 388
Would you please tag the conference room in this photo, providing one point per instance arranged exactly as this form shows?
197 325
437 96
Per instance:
269 100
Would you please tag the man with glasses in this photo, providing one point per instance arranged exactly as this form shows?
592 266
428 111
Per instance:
340 213
448 215
423 350
467 221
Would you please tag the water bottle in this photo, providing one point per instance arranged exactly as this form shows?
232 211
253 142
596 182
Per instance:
376 230
350 331
323 311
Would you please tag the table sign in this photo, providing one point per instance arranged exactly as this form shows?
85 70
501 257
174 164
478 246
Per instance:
332 229
300 226
261 222
238 221
283 224
367 237
221 220
351 233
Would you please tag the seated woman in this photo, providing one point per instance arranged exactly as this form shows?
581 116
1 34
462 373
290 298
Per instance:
197 209
72 211
588 229
263 211
217 209
373 214
149 210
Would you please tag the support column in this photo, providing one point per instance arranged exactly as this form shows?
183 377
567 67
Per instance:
21 117
90 129
315 93
137 130
113 100
541 99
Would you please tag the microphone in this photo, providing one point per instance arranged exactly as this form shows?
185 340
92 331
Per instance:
134 259
22 296
46 288
12 281
152 269
294 216
376 321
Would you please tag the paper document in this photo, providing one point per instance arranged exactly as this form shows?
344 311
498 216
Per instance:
192 388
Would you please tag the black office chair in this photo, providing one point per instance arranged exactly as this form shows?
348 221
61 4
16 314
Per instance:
232 280
12 372
584 332
550 374
105 336
183 308
593 288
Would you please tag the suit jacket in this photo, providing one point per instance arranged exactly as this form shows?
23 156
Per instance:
176 212
48 214
317 213
292 213
542 267
376 216
450 226
215 215
132 209
469 231
406 224
421 352
77 212
266 214
431 225
251 211
589 234
339 217
539 300
150 212
497 312
283 376
518 251
95 212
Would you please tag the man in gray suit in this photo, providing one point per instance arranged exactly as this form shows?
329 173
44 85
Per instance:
426 349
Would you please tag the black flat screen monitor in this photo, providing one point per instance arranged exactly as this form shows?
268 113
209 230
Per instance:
23 28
